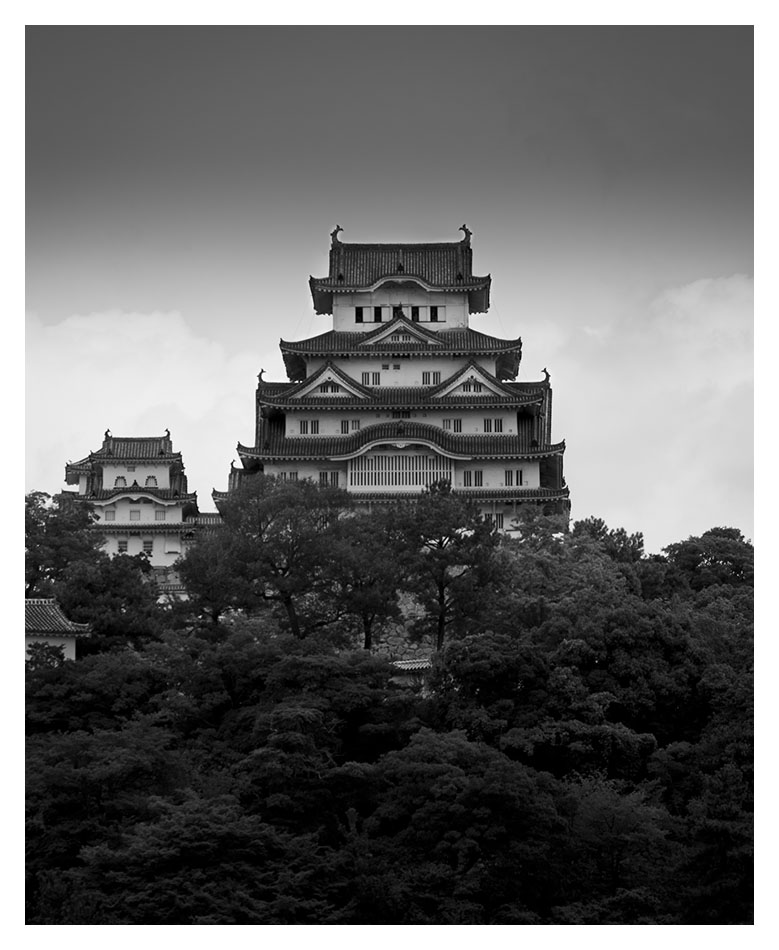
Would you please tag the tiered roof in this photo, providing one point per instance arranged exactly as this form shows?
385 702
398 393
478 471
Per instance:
460 341
139 449
508 395
43 616
360 267
277 446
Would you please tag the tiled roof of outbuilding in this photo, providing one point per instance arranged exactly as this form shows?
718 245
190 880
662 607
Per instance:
115 448
43 615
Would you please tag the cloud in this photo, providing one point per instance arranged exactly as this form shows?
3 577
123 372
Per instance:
657 413
137 374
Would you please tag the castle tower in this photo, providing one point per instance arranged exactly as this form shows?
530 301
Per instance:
402 392
138 489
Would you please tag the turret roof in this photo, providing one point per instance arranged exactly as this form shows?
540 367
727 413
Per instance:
116 448
43 616
439 266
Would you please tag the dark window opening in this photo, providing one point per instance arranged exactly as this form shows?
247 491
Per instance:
358 314
377 314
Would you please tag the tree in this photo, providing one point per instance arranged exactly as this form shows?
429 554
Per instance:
57 534
718 556
117 596
277 541
363 570
449 560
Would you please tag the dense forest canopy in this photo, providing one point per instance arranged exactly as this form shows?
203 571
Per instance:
579 752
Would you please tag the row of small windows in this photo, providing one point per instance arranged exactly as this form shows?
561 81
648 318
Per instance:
428 377
371 379
135 514
496 520
376 314
472 387
148 547
121 482
475 478
311 426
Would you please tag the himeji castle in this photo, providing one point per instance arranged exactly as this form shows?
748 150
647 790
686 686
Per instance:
402 392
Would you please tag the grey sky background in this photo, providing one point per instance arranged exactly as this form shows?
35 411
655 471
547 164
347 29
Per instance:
182 183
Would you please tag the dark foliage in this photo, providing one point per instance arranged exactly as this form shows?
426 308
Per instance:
581 752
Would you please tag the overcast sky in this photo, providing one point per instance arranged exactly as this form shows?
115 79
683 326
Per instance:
182 183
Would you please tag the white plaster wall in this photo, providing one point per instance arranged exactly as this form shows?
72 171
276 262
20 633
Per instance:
146 508
330 422
308 470
166 550
495 473
409 373
160 471
452 308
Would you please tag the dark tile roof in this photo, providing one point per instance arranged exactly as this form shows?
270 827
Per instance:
278 446
460 341
43 615
412 665
509 394
116 448
441 266
445 264
164 494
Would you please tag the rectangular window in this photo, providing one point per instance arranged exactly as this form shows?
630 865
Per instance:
293 476
110 516
488 425
466 387
130 468
122 547
401 415
334 479
396 365
458 425
478 478
148 547
159 514
366 378
467 479
355 424
283 476
498 425
434 314
415 314
448 424
323 479
377 314
344 427
477 387
135 514
358 314
436 378
425 379
499 521
304 426
519 476
315 427
385 365
375 379
508 478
